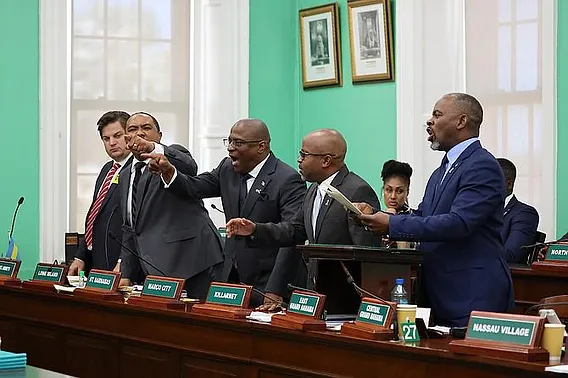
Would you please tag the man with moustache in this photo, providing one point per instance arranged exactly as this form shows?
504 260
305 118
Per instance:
321 219
174 234
252 183
97 250
459 221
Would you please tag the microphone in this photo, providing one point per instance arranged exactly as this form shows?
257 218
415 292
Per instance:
294 287
281 304
545 244
55 262
106 235
113 236
362 293
216 208
20 202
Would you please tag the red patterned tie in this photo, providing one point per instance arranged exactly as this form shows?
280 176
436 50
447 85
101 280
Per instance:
97 205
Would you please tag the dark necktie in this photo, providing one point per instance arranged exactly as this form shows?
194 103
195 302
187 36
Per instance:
137 174
442 171
243 190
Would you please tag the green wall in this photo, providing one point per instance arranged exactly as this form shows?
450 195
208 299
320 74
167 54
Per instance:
19 105
364 113
562 114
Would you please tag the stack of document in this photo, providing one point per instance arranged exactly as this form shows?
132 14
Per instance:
12 360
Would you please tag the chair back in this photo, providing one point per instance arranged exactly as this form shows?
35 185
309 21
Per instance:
558 303
540 237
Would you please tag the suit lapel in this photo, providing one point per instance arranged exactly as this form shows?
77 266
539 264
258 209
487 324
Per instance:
510 205
327 200
258 188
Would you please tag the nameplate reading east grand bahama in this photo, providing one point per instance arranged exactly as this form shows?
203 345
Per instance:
557 252
504 330
373 313
7 267
48 273
98 280
160 288
303 304
226 295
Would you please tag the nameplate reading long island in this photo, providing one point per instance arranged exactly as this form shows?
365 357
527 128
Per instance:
48 273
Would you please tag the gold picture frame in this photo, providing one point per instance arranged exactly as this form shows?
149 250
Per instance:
321 46
370 36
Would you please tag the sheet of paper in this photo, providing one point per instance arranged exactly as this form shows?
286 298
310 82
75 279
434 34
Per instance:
264 317
557 369
64 289
334 325
442 329
424 314
339 197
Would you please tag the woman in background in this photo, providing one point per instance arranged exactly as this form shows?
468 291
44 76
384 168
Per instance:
396 185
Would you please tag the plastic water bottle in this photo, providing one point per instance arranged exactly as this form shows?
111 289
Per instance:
398 294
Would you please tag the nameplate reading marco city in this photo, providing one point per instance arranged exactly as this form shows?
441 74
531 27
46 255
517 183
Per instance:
557 252
162 287
9 267
100 279
229 295
48 272
302 303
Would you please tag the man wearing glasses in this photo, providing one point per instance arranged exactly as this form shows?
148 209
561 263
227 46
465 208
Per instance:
254 184
321 219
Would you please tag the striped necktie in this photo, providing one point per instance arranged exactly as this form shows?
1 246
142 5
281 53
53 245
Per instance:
96 208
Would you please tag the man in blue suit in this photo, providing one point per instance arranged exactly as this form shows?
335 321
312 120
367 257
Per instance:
459 220
520 220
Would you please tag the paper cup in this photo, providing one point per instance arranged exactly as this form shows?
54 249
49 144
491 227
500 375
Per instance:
405 313
552 339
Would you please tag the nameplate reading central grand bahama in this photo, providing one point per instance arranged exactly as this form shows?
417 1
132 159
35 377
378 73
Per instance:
373 321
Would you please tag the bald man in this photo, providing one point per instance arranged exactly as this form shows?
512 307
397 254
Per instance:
321 219
252 183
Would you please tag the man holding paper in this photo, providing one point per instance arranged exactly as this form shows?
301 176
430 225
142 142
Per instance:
459 220
321 219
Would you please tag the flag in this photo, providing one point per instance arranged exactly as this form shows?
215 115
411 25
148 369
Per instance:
13 252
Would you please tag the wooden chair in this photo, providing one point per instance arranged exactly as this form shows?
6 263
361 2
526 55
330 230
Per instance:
540 237
558 303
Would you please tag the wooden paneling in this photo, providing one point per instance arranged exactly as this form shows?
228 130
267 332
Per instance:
91 356
42 345
140 361
195 367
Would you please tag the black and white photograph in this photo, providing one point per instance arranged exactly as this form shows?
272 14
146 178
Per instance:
321 53
370 35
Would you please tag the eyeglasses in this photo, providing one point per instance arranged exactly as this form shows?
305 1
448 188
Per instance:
304 154
238 142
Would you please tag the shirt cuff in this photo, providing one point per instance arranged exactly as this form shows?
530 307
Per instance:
158 148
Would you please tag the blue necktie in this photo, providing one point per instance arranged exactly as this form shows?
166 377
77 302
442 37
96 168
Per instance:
442 172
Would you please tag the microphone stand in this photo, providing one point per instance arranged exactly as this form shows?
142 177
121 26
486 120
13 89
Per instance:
294 287
112 236
282 304
362 293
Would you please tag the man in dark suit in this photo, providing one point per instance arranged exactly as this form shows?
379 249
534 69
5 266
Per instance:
321 219
459 220
520 221
97 250
253 183
172 233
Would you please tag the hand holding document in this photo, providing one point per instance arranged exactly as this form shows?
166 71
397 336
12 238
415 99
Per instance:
339 197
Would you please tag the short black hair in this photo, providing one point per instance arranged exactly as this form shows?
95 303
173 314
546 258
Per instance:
471 106
394 168
509 169
112 117
151 116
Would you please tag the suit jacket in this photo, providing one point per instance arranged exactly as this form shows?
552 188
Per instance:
275 196
333 226
105 250
459 226
173 233
520 222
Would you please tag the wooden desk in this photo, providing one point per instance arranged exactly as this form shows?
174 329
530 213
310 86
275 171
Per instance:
95 339
533 285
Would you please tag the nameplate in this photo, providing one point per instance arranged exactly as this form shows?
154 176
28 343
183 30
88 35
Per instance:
9 267
557 252
504 328
373 313
163 287
306 304
228 294
49 272
104 280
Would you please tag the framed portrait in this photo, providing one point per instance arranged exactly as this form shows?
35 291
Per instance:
370 34
321 51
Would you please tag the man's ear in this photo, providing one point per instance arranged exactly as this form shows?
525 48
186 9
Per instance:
326 161
262 146
462 122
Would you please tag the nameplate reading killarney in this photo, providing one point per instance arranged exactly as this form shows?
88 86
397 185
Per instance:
48 272
226 295
9 267
509 336
160 287
99 279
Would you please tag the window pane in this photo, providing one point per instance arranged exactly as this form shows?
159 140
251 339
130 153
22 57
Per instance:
122 18
122 69
85 188
527 10
504 58
517 131
88 17
526 57
156 19
89 148
504 10
88 68
156 71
